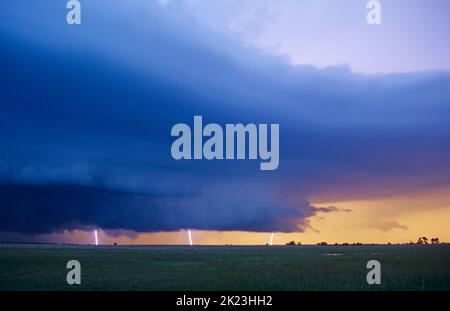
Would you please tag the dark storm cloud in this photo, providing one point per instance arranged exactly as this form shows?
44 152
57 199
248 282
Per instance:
86 113
46 208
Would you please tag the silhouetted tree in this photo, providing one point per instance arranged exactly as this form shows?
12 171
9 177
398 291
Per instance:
435 241
291 243
425 240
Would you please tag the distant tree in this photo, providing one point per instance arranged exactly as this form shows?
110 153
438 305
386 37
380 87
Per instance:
420 241
291 243
322 243
435 241
425 240
299 243
115 243
345 244
389 243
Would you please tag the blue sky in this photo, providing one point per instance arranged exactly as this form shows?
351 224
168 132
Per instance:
411 37
86 111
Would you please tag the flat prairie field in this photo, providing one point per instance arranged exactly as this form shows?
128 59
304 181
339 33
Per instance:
238 268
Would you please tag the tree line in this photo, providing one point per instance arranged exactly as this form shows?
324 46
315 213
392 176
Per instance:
421 241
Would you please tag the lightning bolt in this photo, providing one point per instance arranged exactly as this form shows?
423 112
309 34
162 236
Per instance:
271 239
190 237
96 237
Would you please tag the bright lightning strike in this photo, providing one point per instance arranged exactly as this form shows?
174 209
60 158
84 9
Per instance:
190 237
96 237
271 239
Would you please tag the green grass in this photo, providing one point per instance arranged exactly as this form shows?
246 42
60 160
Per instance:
405 267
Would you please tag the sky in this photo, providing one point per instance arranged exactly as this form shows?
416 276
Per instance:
86 112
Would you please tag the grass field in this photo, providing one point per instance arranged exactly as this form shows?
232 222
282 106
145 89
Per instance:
404 267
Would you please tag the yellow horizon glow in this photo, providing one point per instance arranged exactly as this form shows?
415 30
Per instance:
397 219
